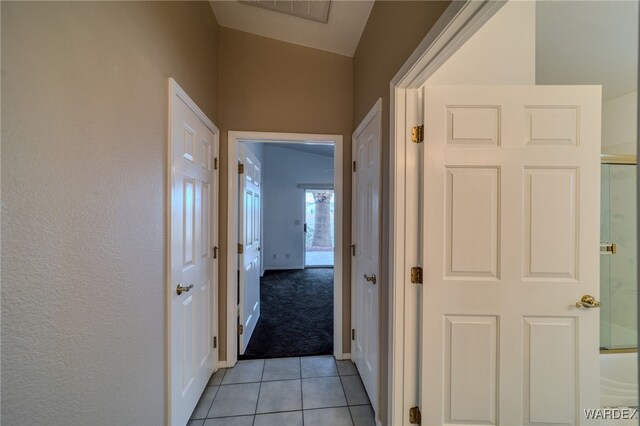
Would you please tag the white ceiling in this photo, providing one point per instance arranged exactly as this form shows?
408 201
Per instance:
588 42
340 34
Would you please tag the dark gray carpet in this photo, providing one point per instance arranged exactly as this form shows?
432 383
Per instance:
296 314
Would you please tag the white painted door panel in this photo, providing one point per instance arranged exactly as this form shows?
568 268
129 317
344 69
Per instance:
511 222
193 146
250 234
366 223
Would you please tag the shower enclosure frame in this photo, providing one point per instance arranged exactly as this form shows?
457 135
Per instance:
629 160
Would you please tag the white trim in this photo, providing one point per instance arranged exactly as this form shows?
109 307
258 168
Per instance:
375 111
283 268
345 356
232 228
167 231
319 186
456 25
215 242
176 90
304 226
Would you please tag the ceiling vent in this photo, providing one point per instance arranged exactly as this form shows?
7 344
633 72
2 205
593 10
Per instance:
314 10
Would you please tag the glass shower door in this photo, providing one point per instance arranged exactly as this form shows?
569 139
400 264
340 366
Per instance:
618 261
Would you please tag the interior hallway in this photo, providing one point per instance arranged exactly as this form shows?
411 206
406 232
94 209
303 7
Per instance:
286 392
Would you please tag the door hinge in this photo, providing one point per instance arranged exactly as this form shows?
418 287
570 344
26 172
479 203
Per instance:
416 275
215 163
353 250
215 342
417 134
215 252
354 166
415 417
240 329
240 168
353 334
240 249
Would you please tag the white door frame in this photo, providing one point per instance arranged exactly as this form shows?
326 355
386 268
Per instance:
456 25
376 110
176 90
232 229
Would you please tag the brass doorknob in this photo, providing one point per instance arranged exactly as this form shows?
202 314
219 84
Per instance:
183 289
371 279
588 301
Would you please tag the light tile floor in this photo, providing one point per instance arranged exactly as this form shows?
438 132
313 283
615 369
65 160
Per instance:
316 390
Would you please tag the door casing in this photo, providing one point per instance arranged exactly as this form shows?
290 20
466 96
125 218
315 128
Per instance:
175 90
235 137
374 114
250 182
456 25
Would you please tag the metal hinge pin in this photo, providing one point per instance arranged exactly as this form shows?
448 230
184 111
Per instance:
417 134
416 275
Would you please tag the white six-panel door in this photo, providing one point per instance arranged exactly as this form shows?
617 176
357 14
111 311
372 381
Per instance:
193 147
366 225
249 237
511 222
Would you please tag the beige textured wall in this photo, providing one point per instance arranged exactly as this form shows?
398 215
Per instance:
393 31
84 114
269 85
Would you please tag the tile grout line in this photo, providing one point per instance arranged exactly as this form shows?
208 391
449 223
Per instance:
262 381
345 397
206 416
224 372
247 415
255 412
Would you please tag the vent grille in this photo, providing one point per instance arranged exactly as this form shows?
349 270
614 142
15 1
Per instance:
314 10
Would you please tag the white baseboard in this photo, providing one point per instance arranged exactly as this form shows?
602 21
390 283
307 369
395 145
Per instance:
341 357
222 364
282 268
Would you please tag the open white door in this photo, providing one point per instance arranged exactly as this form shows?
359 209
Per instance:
366 237
193 197
511 222
249 237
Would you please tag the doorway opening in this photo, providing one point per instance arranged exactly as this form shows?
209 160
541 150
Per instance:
319 219
285 309
284 293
